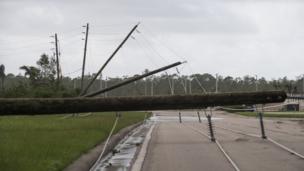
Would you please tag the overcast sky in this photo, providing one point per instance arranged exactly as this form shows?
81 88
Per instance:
229 37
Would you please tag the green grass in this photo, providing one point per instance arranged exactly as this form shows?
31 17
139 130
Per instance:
50 143
275 114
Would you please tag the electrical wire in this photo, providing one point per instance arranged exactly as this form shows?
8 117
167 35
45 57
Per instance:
105 145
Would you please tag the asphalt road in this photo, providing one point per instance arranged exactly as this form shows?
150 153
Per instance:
178 147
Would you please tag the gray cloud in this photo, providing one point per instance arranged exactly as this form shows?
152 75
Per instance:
228 37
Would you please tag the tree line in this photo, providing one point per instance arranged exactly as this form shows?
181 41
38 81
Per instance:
40 81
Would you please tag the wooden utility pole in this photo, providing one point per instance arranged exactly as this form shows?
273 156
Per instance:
132 79
57 59
84 91
84 54
32 106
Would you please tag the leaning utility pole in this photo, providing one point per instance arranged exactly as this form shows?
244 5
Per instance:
133 79
84 91
84 54
57 59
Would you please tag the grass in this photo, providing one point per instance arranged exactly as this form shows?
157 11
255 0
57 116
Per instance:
275 114
50 143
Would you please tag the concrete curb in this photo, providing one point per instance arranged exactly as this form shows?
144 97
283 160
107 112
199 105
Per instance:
137 165
87 160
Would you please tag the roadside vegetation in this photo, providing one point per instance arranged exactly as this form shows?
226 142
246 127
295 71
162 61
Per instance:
275 114
50 143
41 80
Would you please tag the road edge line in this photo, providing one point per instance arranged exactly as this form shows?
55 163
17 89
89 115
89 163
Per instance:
137 166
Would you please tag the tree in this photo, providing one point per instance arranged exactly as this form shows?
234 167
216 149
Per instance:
47 67
33 74
2 76
44 73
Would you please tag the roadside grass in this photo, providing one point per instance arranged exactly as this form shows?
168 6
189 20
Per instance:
275 114
51 142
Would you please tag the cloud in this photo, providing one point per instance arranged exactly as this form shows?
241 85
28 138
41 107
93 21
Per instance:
230 37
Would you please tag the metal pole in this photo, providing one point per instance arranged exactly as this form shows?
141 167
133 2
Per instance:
109 59
262 124
199 117
170 85
210 125
199 83
180 117
184 84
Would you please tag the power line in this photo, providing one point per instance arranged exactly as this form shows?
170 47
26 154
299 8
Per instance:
109 59
72 72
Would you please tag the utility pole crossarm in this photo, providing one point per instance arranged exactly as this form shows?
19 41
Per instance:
109 59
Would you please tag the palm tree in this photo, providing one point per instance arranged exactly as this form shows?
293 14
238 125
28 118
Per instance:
2 76
32 72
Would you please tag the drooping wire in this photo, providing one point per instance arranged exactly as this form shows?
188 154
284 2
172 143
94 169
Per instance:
175 53
72 72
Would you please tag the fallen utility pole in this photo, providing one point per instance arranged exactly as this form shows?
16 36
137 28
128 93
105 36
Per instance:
133 79
32 106
84 54
108 60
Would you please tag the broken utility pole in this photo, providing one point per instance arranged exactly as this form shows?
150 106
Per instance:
84 54
32 106
108 60
130 80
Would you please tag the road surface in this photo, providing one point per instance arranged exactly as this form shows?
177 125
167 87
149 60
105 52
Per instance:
183 146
